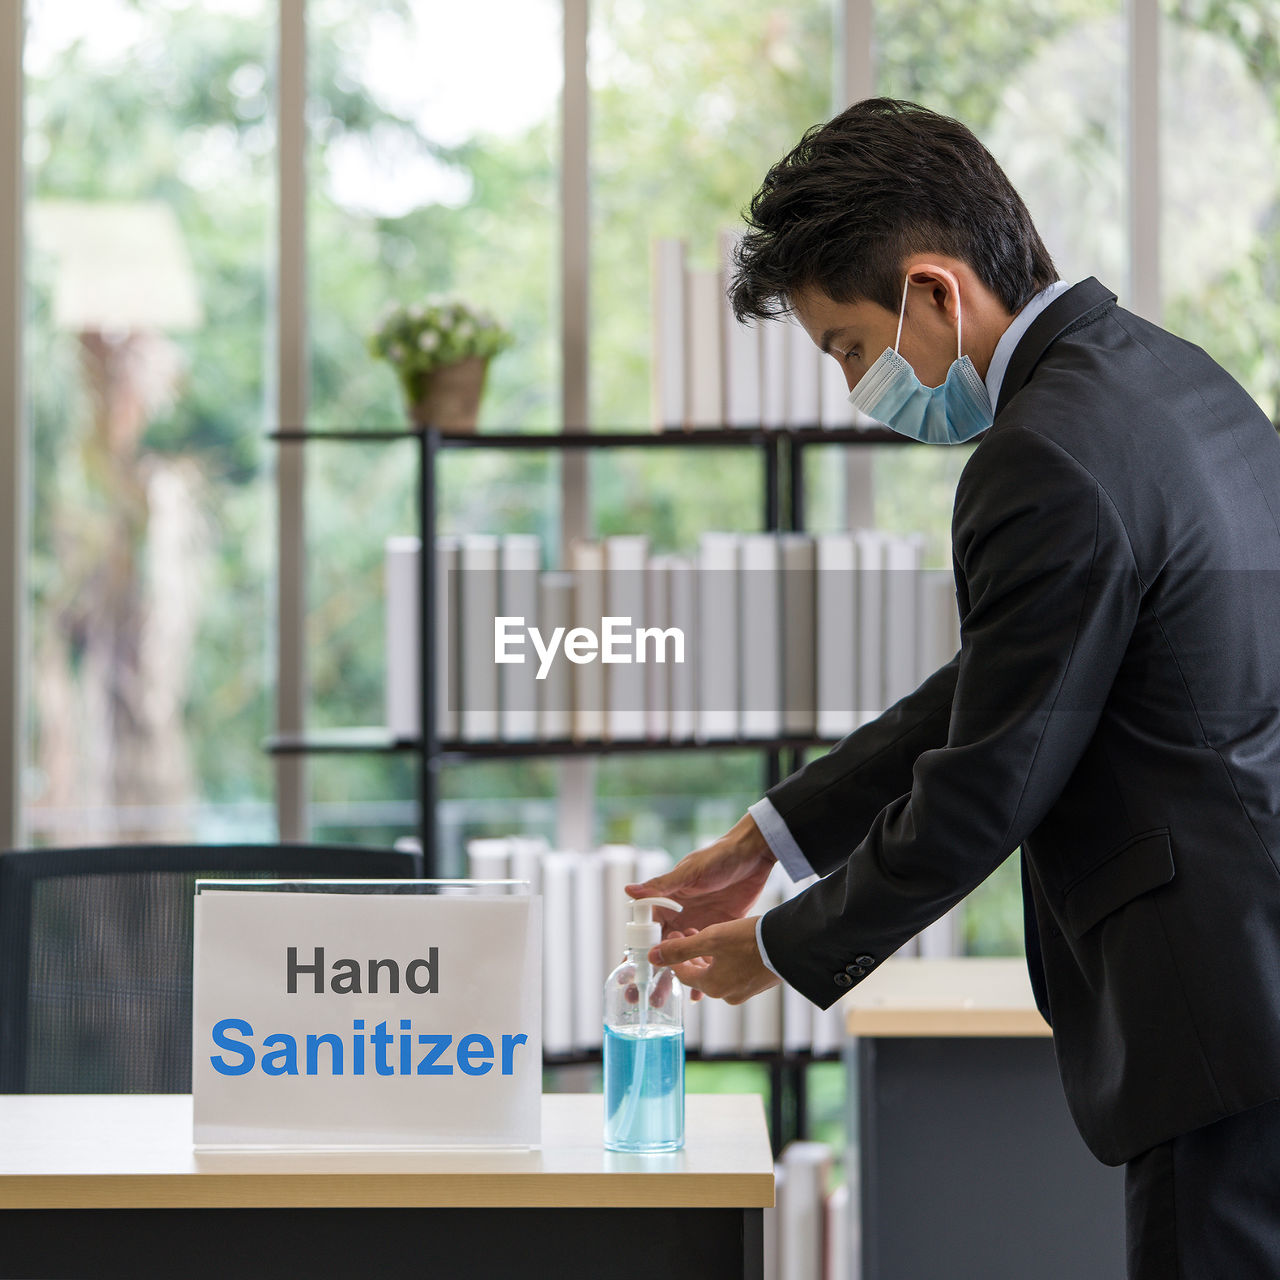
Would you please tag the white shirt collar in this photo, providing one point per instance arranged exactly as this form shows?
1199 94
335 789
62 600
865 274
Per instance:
1010 338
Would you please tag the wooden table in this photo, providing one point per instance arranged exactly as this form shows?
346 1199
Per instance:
968 1163
106 1186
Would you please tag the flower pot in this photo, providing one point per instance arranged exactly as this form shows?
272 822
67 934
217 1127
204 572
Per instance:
450 399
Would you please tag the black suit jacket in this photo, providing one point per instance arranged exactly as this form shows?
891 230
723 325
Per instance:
1114 709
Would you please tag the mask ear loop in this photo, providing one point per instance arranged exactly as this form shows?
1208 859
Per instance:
959 330
902 313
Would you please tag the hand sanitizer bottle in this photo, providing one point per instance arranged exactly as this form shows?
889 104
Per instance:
643 1044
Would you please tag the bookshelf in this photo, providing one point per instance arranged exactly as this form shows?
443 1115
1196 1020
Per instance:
782 451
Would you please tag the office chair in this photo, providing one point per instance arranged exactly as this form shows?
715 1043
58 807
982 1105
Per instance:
95 955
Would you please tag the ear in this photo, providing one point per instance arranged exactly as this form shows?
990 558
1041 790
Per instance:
929 279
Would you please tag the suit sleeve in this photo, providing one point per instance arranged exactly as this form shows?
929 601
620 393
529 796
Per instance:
829 805
1053 594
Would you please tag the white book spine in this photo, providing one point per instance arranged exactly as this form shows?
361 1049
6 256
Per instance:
774 342
588 911
828 1029
444 657
704 348
808 1166
683 588
761 693
587 562
478 607
619 871
718 636
624 559
839 1237
833 391
555 689
669 334
657 684
903 558
773 1226
403 710
742 350
797 1010
559 959
870 544
489 858
651 863
942 939
837 644
804 377
527 853
798 561
521 556
721 1027
762 1014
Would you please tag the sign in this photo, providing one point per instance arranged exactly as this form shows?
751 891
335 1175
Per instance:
366 1019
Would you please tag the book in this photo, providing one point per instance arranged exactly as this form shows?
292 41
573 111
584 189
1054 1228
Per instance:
559 952
762 1014
682 589
403 704
704 348
526 854
870 620
588 975
763 620
903 557
521 558
478 606
741 350
836 634
619 862
657 679
586 562
939 621
670 334
489 858
839 1234
721 1028
802 1223
798 562
555 689
774 373
718 636
804 377
834 409
624 591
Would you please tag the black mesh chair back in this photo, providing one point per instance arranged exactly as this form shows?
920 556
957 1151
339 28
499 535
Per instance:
95 955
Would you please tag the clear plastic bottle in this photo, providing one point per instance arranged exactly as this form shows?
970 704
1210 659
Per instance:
643 1044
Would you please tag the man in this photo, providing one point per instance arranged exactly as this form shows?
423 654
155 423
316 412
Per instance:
1114 708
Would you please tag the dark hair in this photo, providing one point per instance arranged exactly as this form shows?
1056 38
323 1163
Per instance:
843 209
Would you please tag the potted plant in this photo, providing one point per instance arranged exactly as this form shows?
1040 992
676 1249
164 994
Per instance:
440 351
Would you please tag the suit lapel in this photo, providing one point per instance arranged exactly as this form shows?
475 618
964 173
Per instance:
1077 304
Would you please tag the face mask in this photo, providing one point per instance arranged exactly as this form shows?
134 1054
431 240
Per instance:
891 393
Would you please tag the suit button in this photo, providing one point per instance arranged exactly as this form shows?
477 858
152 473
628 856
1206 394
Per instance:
855 971
842 980
865 960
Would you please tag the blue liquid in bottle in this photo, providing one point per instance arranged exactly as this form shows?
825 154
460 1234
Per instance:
644 1087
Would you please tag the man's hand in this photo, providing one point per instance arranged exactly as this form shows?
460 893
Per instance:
722 960
715 884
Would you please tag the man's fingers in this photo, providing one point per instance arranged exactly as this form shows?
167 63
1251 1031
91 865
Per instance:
676 950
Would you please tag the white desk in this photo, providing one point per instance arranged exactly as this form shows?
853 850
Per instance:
110 1185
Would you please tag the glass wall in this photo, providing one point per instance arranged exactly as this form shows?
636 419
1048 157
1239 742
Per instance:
433 170
150 151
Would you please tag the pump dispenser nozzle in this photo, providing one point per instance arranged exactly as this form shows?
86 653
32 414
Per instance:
643 932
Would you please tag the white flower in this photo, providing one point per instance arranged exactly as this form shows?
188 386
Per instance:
464 331
415 313
428 341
